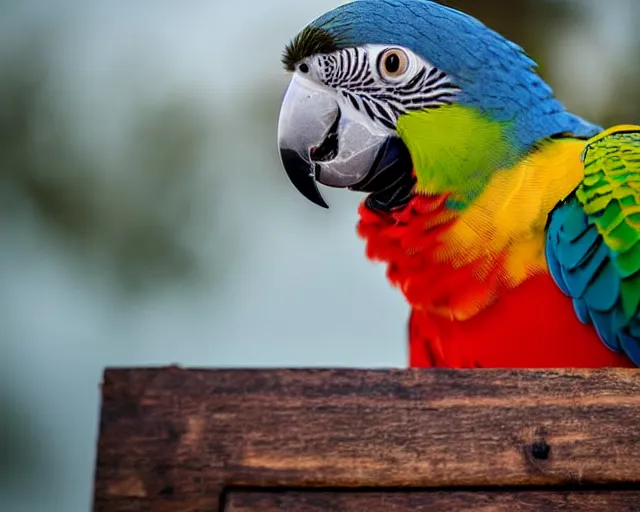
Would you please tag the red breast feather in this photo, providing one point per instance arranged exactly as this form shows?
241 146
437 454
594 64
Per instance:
464 316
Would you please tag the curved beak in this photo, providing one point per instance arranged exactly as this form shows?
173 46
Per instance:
320 142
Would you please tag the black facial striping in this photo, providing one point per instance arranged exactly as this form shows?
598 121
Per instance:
349 72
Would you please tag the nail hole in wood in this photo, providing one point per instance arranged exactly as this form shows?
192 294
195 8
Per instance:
166 491
540 450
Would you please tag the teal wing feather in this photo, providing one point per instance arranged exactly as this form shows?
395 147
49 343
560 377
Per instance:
593 240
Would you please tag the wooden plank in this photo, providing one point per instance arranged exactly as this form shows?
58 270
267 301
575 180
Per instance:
526 501
176 438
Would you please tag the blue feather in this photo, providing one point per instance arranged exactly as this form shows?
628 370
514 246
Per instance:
555 268
578 278
606 329
574 224
604 289
576 249
629 343
581 311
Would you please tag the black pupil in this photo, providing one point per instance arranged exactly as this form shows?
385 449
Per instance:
304 68
392 63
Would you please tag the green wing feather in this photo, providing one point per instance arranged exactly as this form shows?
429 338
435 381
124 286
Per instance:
593 240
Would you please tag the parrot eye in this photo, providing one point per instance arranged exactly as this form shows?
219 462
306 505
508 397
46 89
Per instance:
392 63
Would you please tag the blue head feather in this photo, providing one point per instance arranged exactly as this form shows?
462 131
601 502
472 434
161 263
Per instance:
495 74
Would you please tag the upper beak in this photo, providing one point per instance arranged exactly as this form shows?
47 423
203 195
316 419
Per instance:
319 141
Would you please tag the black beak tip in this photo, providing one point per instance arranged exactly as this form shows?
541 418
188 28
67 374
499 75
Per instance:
300 172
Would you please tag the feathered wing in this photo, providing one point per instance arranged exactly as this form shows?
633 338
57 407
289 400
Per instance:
593 240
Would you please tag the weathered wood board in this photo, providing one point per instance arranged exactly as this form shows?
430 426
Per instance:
212 440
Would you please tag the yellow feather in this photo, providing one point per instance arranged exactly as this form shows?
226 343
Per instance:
509 216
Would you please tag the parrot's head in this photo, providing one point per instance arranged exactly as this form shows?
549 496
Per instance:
392 96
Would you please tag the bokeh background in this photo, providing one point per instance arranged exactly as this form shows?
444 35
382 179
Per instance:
144 218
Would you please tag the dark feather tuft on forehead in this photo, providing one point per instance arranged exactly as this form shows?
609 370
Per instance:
309 41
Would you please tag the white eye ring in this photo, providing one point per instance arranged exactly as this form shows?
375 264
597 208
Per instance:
393 63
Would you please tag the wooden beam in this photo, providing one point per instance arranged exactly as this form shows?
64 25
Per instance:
411 501
174 439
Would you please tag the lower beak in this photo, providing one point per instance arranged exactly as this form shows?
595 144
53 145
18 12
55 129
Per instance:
320 142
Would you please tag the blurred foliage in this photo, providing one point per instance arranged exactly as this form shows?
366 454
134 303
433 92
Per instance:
17 431
127 210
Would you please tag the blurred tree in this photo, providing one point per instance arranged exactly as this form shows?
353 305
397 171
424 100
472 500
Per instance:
128 211
23 456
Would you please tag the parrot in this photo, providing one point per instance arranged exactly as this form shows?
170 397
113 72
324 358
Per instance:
510 225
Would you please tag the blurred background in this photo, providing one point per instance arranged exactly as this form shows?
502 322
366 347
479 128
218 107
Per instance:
145 220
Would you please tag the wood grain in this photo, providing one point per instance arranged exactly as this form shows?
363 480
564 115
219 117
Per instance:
173 439
526 501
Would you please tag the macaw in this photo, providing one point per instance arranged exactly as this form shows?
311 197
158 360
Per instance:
511 225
